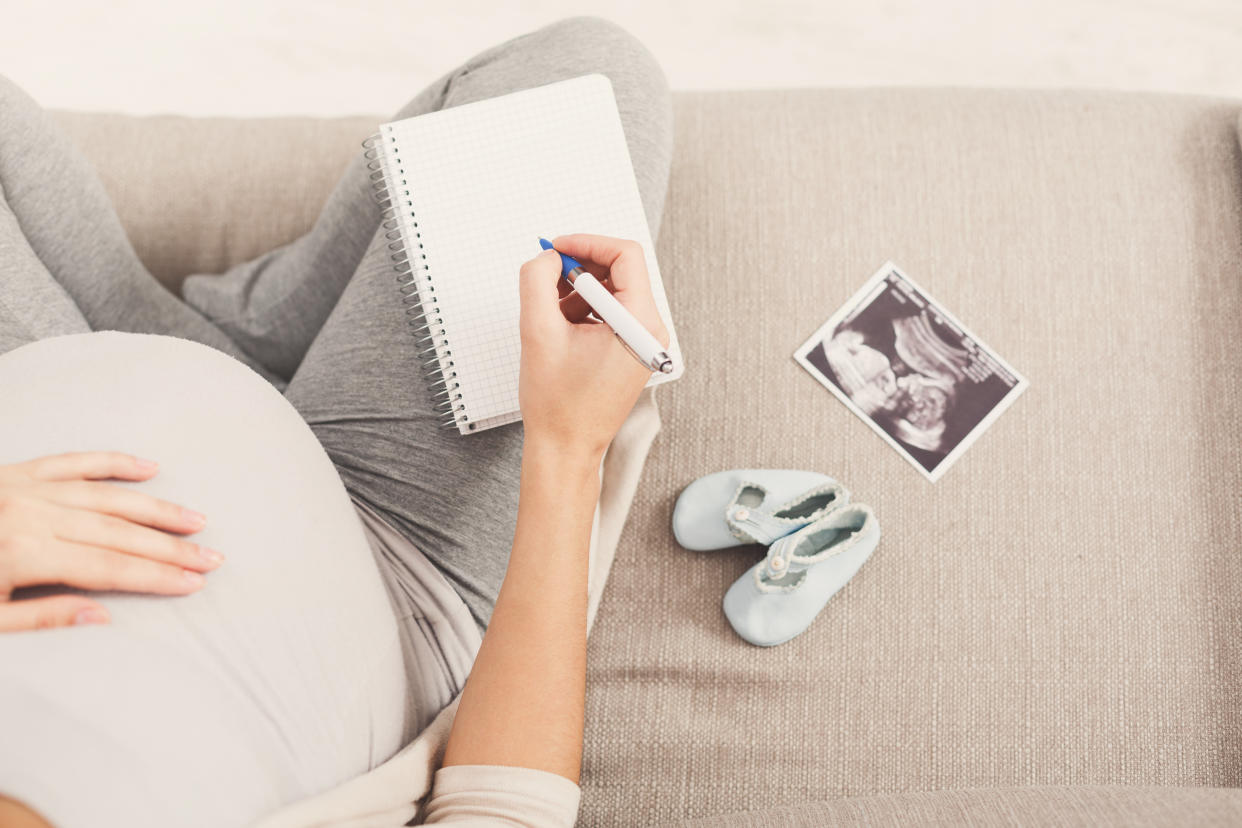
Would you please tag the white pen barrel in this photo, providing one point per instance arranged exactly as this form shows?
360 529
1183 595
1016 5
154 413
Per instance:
607 308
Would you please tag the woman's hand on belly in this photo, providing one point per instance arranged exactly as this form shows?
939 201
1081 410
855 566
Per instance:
59 524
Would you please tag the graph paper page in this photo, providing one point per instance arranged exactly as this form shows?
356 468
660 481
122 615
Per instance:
485 181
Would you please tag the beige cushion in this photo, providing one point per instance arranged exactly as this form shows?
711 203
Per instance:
1062 608
199 195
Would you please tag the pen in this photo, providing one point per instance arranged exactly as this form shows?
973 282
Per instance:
632 333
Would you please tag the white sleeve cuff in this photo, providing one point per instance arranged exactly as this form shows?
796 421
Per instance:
482 795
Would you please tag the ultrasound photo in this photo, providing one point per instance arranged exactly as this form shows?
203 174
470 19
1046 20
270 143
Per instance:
911 371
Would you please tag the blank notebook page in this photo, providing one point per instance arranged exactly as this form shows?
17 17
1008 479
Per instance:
485 181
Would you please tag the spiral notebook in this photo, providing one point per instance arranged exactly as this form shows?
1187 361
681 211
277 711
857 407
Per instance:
467 193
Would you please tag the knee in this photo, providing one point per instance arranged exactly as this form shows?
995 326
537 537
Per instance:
598 45
591 34
594 45
12 95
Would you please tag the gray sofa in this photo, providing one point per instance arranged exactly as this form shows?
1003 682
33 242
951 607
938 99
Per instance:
1049 635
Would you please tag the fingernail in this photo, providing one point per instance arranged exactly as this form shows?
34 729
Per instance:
211 556
193 578
197 518
547 254
146 465
91 615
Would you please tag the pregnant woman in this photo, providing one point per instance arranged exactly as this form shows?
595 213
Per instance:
240 560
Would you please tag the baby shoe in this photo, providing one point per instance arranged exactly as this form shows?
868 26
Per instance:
780 596
732 508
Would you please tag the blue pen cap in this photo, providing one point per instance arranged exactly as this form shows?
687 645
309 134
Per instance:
568 263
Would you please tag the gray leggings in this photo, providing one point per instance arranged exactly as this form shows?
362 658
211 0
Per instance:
320 317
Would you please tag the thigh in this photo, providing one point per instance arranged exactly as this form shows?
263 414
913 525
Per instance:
362 392
360 385
281 678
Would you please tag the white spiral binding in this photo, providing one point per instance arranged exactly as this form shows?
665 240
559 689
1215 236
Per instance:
414 280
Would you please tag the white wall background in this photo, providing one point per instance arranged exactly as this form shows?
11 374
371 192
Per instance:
331 57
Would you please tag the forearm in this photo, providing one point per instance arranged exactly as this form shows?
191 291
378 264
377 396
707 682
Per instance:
523 703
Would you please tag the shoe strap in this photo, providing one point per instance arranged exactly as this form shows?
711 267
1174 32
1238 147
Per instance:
751 525
757 525
780 559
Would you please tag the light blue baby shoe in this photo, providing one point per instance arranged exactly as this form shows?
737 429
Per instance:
780 596
740 506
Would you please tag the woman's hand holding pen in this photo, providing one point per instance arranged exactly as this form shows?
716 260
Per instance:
578 382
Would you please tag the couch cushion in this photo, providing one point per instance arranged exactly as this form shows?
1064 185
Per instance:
197 195
1063 606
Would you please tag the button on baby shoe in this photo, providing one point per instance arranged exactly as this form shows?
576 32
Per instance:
741 514
778 562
